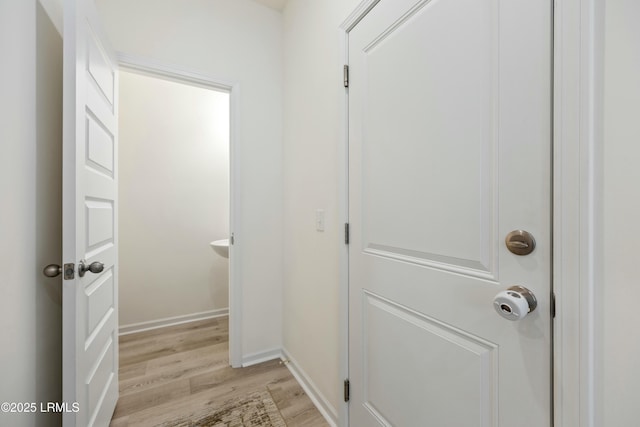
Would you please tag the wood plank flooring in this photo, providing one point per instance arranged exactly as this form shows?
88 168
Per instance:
181 370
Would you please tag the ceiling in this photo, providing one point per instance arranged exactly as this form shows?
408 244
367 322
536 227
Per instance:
273 4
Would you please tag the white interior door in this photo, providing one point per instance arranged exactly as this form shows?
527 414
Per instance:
90 303
449 151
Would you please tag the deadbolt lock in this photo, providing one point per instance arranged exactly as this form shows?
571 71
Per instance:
520 242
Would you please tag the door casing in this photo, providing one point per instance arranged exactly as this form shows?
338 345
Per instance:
578 55
161 70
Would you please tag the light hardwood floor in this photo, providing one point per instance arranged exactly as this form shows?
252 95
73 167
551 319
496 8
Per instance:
179 370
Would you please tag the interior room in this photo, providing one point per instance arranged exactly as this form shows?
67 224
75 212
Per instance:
324 196
171 211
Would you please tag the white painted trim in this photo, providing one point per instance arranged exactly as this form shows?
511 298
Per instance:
319 400
358 13
261 356
236 307
171 321
173 72
578 120
156 68
341 417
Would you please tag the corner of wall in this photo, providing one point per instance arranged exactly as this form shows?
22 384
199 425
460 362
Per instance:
321 402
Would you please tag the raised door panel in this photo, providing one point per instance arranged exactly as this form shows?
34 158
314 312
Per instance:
446 364
429 159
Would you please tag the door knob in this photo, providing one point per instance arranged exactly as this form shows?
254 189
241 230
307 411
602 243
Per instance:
52 270
515 303
94 267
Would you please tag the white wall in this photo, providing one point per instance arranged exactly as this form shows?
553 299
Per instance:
174 198
237 41
312 144
30 210
621 213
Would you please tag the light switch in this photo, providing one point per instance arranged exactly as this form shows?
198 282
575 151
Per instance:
320 219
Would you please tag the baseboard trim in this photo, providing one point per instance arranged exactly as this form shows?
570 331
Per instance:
171 321
326 409
261 356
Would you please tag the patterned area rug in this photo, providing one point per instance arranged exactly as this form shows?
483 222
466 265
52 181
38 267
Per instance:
256 410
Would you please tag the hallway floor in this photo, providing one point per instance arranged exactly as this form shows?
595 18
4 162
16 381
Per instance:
177 372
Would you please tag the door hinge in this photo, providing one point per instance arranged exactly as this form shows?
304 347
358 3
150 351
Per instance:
346 76
553 305
347 390
346 233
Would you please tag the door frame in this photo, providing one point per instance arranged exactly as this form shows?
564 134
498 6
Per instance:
577 214
162 70
577 100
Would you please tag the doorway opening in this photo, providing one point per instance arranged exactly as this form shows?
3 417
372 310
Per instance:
176 198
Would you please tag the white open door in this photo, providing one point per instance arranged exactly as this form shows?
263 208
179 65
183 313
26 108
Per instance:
90 299
449 151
